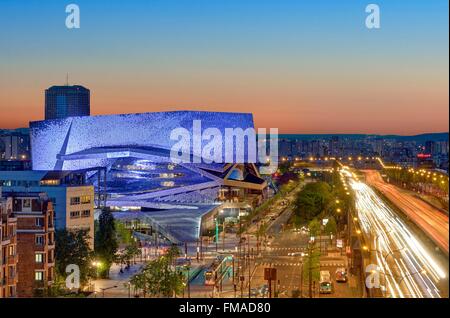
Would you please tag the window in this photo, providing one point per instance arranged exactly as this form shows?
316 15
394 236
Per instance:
75 201
39 276
17 205
36 205
26 203
12 250
86 213
11 271
12 291
85 199
74 214
39 239
40 222
39 258
50 182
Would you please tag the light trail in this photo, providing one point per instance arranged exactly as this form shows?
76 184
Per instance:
432 221
405 265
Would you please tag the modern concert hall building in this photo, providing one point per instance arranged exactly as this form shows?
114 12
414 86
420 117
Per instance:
128 160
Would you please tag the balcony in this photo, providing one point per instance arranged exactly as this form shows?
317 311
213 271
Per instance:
6 239
12 259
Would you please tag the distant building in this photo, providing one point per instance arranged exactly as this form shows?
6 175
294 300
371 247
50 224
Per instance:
429 147
8 249
14 144
35 242
15 165
73 199
67 101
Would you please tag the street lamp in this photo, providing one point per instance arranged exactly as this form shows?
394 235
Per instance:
97 266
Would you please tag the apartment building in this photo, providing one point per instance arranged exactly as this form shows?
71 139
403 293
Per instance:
8 249
35 242
72 197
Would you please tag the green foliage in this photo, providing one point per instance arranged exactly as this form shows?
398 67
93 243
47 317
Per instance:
128 254
314 227
311 264
414 178
331 226
123 234
172 253
106 242
159 279
72 247
312 200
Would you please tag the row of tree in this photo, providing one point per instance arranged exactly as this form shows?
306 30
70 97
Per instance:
415 178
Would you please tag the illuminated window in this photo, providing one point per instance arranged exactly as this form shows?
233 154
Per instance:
12 250
85 199
39 257
39 276
50 182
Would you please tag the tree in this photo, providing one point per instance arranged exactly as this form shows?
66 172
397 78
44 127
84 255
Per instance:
159 279
314 228
124 235
311 267
172 253
331 226
131 251
106 242
312 200
72 247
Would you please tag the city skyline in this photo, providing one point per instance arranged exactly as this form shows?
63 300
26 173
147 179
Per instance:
303 67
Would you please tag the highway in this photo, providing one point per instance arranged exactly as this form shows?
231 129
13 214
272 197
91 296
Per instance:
406 266
432 221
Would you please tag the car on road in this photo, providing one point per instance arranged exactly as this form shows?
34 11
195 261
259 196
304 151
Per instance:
254 292
264 290
341 275
325 284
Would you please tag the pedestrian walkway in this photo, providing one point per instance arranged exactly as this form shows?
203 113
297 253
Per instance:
285 248
332 264
267 264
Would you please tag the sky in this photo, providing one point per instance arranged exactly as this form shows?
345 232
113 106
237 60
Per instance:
307 66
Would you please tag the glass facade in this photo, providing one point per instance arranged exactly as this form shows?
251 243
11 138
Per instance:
66 101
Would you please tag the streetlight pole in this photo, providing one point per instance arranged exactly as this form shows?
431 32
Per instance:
223 236
188 282
249 278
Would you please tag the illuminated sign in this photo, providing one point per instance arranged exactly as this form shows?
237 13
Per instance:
423 155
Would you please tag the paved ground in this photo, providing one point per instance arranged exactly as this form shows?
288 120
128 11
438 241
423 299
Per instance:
289 268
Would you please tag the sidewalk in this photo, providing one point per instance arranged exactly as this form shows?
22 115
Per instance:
117 285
